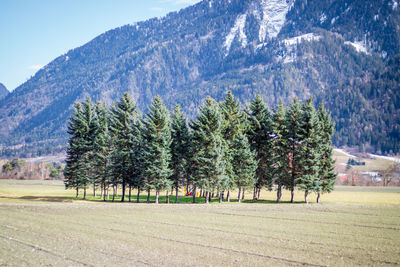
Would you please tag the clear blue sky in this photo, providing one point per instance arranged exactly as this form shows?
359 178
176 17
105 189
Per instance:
34 32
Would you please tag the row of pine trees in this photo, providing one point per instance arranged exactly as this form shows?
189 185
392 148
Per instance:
225 148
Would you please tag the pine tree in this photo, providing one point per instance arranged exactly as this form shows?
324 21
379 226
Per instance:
327 174
281 150
243 158
82 129
157 153
294 139
260 136
124 121
309 165
233 125
207 149
179 150
74 150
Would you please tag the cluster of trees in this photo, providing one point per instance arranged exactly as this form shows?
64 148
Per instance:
224 148
21 169
14 164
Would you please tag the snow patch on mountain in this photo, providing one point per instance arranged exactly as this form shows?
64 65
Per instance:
237 31
360 46
291 43
273 17
298 39
395 4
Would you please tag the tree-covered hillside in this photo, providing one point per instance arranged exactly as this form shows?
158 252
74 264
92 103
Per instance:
279 49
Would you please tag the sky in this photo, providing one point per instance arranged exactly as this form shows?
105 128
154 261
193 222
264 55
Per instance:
34 32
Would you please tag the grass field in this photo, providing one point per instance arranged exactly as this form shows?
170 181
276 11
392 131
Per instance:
42 224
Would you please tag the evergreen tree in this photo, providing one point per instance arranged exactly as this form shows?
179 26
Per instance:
102 148
309 165
179 150
327 174
71 171
281 150
260 135
207 149
243 158
124 122
82 128
294 141
157 152
233 125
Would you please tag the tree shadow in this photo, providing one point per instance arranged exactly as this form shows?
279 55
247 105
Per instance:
41 198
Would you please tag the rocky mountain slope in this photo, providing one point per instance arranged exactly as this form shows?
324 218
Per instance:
3 91
279 49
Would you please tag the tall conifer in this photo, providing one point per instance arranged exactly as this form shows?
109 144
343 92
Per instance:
157 152
309 175
260 135
179 150
207 149
281 150
294 141
123 122
233 125
243 160
327 174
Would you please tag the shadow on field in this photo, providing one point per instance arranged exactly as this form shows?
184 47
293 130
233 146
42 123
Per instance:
42 198
142 199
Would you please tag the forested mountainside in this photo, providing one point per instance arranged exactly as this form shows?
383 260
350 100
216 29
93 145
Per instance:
340 52
3 91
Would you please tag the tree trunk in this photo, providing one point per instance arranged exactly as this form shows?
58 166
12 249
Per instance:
138 195
116 191
243 193
77 192
157 196
113 187
201 192
104 192
279 194
176 194
240 191
318 197
228 196
258 194
130 193
209 196
223 194
123 191
148 195
167 198
101 191
255 193
306 196
292 195
108 192
207 200
84 193
204 193
94 190
220 198
194 194
212 194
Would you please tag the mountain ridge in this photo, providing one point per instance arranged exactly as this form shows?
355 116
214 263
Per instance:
3 91
207 49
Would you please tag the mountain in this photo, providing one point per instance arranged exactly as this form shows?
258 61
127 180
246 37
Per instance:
3 91
340 52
